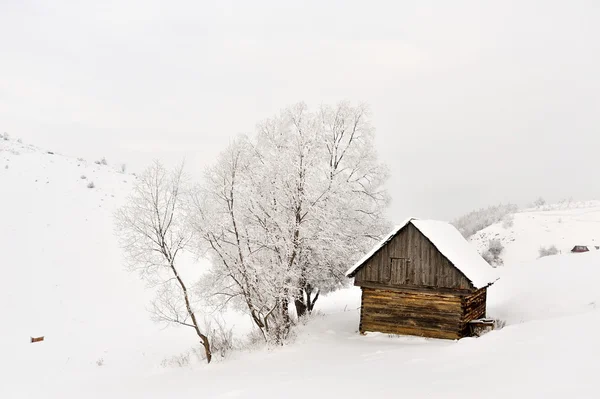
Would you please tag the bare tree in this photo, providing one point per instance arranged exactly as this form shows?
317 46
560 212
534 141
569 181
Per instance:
153 233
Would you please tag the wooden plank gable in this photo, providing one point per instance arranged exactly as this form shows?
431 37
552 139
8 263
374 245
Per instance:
410 259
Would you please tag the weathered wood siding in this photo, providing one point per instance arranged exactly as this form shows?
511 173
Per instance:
474 305
426 314
414 313
410 259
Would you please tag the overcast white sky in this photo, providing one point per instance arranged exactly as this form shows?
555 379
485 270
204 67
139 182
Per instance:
475 102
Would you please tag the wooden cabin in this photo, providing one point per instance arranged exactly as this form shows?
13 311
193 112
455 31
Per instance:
423 279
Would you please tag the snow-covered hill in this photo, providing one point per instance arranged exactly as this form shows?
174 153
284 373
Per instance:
564 225
62 277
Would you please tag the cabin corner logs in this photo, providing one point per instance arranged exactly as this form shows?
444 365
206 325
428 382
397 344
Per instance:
410 288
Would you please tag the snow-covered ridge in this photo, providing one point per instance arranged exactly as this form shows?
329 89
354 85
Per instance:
10 148
563 225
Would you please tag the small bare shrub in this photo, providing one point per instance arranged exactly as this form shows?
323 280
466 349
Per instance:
100 362
221 336
488 257
508 221
83 177
254 339
493 252
495 247
551 250
181 360
539 202
479 330
91 185
499 324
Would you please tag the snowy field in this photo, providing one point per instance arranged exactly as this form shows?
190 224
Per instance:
564 225
63 278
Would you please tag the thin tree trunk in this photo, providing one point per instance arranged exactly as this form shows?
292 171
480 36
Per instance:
203 338
285 315
306 303
301 307
311 303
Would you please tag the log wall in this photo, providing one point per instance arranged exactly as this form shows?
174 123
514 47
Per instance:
426 314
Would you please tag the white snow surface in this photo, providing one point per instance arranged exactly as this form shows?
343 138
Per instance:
448 240
63 278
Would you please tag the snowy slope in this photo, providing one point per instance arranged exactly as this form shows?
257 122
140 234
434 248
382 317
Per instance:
548 349
62 274
565 225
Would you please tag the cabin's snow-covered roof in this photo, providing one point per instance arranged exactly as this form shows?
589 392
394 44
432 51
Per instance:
448 240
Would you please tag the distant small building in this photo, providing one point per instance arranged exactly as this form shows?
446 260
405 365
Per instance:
580 248
423 279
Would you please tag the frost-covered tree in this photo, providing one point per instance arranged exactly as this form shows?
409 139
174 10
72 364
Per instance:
153 233
337 197
284 212
247 268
